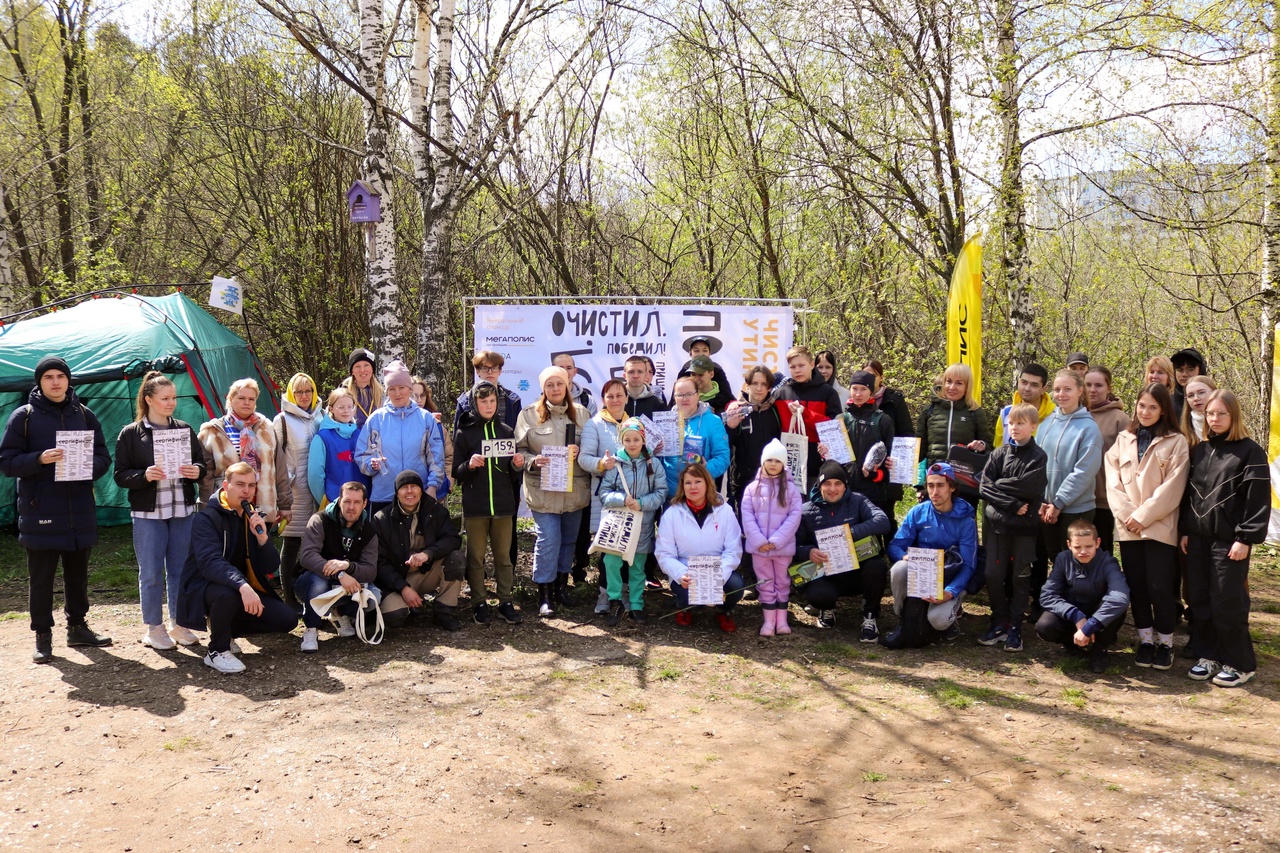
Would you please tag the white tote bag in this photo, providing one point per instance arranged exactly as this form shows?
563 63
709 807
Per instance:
619 531
796 440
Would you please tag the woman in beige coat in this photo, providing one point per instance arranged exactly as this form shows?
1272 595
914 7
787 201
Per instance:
552 423
1147 470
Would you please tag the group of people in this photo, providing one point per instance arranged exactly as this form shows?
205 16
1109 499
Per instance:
355 489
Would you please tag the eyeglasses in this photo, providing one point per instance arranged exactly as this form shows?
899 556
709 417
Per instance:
686 396
1216 413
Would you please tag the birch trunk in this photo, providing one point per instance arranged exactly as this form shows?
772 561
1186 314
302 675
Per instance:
438 209
1270 289
382 293
1014 260
420 91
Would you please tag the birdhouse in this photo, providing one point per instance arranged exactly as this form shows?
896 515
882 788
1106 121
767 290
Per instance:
363 204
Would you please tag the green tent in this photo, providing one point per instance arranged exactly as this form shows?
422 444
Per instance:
110 342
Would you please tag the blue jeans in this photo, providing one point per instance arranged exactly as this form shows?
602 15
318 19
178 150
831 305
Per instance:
309 585
161 548
733 589
553 550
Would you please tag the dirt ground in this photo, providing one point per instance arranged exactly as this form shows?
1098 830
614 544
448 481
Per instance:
565 735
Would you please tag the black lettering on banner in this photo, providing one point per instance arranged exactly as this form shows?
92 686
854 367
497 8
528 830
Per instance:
583 375
654 318
694 329
964 333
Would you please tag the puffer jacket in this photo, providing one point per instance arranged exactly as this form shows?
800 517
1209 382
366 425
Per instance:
863 517
765 521
410 440
216 532
1111 419
1149 490
52 515
715 446
945 423
820 403
1074 447
1095 591
493 490
925 527
1014 477
533 435
295 428
1228 496
331 460
599 435
681 537
648 484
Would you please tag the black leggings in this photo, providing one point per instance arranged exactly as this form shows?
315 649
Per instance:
1150 567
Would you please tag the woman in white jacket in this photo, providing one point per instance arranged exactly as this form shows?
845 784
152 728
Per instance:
1147 470
295 426
699 523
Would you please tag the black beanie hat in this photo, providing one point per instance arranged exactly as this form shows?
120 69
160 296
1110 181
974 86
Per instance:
51 362
405 478
865 378
831 470
359 355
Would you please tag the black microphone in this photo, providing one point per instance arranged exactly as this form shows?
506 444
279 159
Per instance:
250 510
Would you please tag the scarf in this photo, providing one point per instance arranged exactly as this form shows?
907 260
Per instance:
244 439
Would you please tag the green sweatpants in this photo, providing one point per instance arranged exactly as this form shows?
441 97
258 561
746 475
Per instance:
613 566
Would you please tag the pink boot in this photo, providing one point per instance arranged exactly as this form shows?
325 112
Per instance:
780 625
766 630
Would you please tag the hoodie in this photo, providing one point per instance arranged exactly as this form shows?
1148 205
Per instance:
1111 419
332 460
1073 444
925 527
646 402
1095 591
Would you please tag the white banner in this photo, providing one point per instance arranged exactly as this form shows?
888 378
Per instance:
601 337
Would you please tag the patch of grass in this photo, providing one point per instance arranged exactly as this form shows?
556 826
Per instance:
667 672
1113 787
588 786
874 776
1075 696
1266 644
1068 664
637 706
711 758
113 567
182 744
560 675
1021 759
952 695
834 651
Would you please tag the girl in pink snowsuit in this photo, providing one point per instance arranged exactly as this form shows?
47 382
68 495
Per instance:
770 517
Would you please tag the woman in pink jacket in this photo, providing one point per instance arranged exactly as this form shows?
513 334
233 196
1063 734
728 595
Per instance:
1147 471
770 517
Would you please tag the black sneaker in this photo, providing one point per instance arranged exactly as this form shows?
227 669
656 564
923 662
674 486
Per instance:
1146 652
638 617
615 613
1097 659
1163 658
447 621
870 630
952 633
508 611
44 647
826 618
82 635
482 614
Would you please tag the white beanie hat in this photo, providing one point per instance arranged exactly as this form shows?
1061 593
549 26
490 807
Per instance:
775 451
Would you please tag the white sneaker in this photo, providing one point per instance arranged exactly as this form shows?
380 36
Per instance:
224 662
235 647
311 640
1229 676
602 603
346 626
183 636
158 638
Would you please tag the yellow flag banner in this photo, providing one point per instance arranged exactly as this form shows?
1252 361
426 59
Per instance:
964 313
1273 444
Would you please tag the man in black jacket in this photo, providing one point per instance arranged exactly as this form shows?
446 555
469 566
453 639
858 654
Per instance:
224 579
419 554
339 548
56 518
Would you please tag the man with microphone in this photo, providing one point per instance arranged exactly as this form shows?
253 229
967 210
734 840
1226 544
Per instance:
224 579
